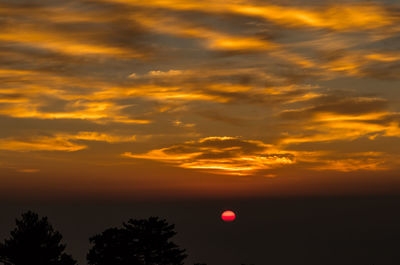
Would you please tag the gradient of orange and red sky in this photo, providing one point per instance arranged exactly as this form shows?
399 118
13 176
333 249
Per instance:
184 98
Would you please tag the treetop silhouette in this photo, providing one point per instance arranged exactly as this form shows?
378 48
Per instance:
138 242
34 241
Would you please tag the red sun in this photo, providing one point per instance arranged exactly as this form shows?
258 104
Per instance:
228 216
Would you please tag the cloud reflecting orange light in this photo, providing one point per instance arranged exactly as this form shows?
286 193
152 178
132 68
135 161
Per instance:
223 155
59 142
337 17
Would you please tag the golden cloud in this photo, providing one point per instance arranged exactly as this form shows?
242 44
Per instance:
335 127
96 136
349 162
337 17
222 155
213 85
214 39
49 41
28 91
341 118
235 156
59 142
55 30
39 143
101 112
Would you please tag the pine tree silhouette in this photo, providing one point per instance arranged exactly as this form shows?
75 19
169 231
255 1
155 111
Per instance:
138 242
34 241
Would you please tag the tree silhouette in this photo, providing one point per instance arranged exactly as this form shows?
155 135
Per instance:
138 242
34 241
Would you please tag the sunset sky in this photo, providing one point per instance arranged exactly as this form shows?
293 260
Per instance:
165 98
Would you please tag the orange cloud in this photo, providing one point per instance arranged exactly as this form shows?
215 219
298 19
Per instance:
341 118
349 162
29 90
234 156
96 136
49 41
101 112
334 127
338 17
213 85
39 143
222 155
54 31
60 141
214 39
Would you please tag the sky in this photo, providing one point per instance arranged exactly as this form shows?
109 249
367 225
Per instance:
215 98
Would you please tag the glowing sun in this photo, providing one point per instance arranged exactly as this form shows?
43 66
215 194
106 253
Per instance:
228 216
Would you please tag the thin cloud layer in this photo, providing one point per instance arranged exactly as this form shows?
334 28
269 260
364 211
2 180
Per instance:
236 156
341 118
59 142
337 17
224 155
42 143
